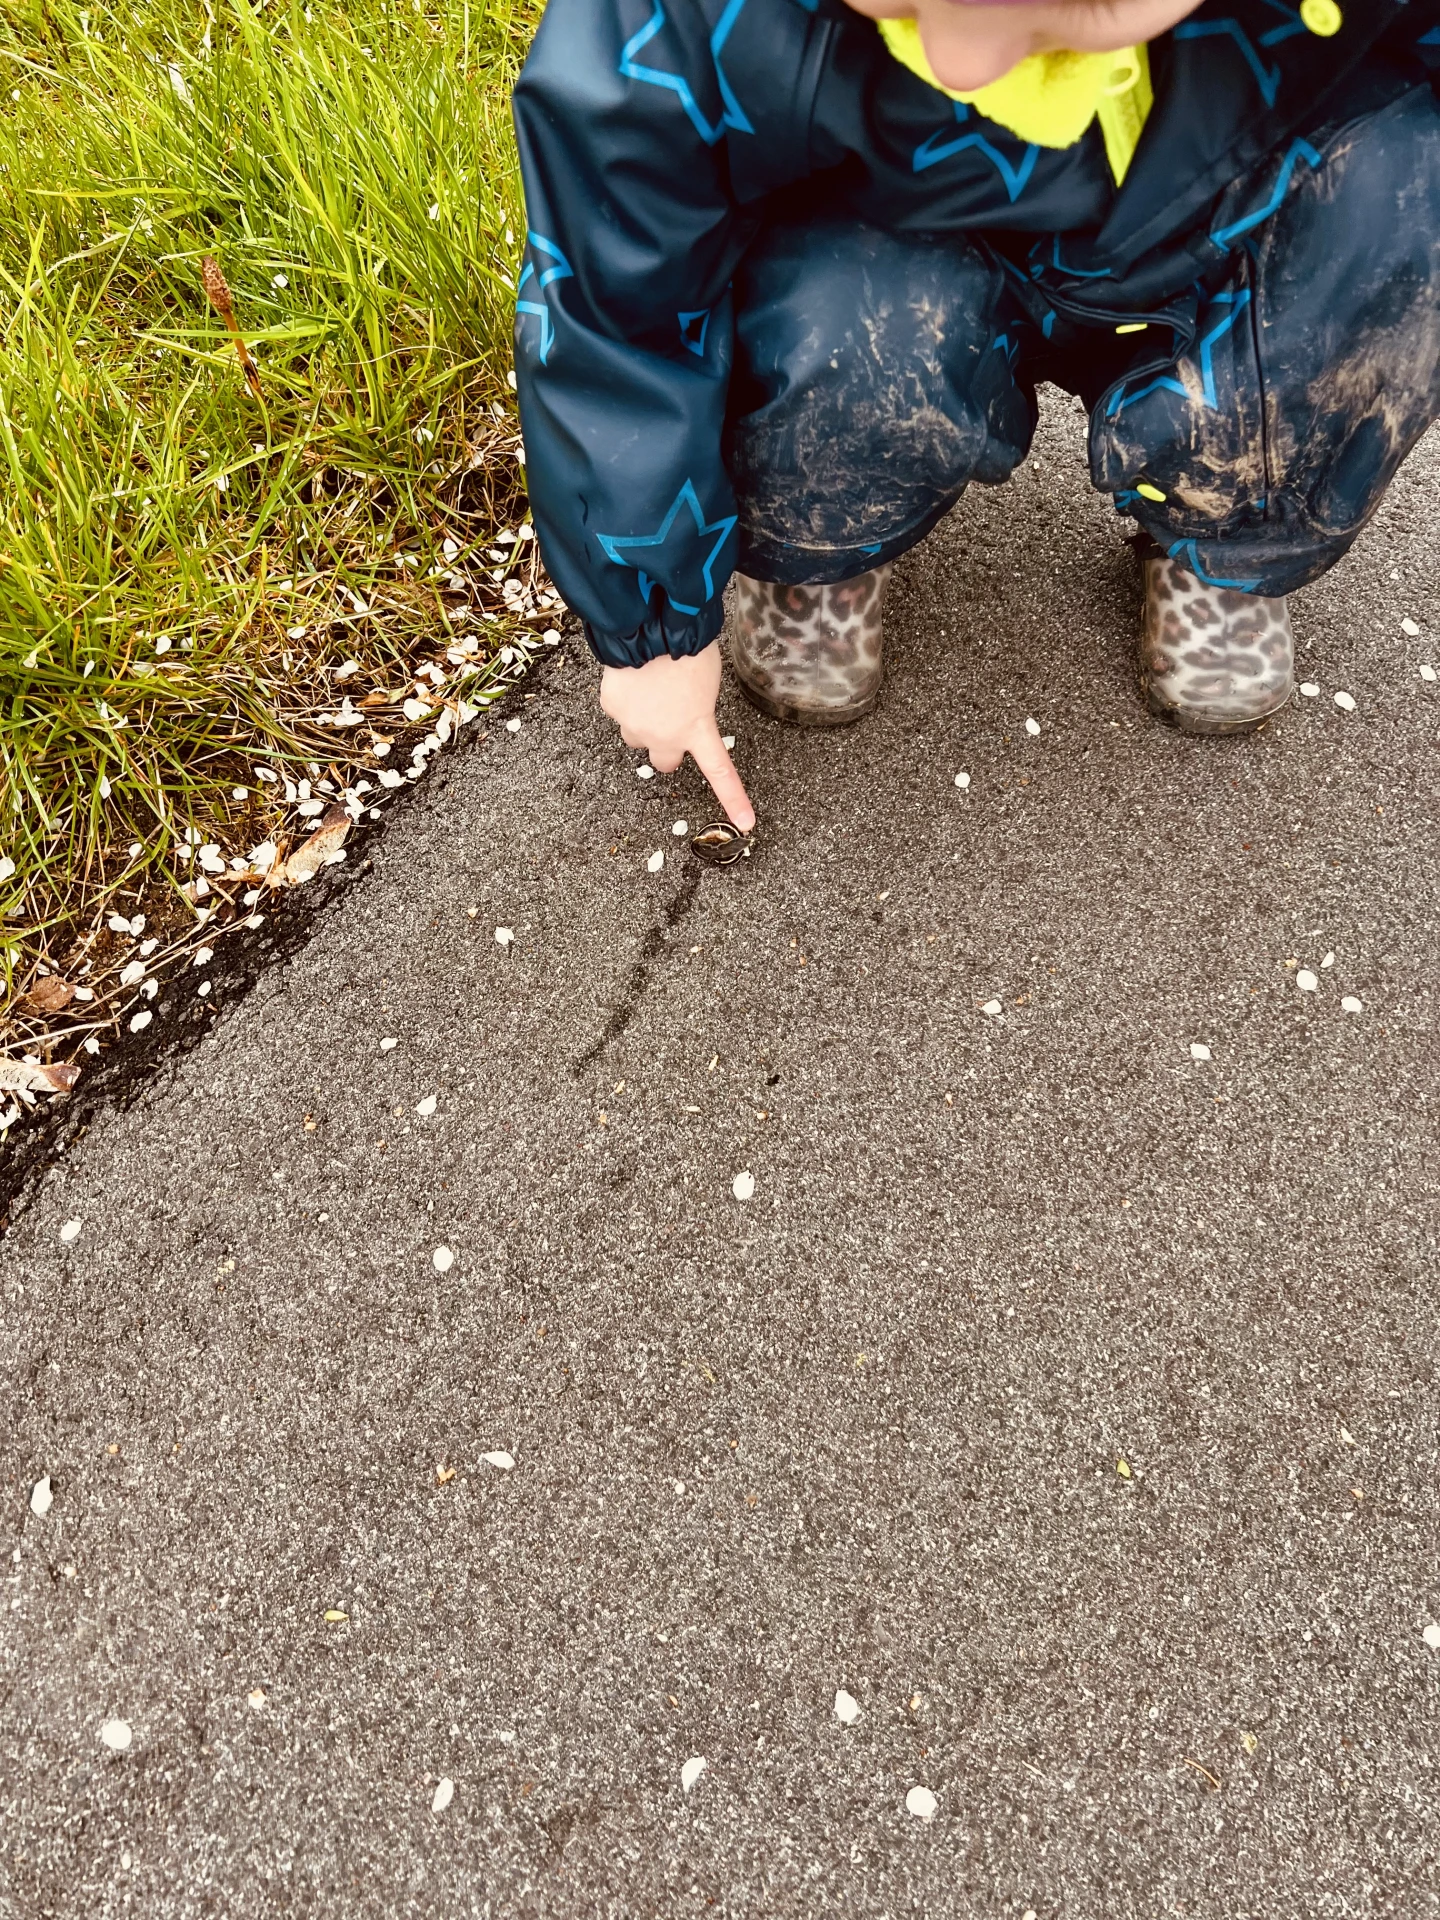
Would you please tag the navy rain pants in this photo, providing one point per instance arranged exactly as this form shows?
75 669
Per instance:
877 375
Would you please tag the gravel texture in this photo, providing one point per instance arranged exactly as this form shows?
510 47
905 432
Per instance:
1067 1401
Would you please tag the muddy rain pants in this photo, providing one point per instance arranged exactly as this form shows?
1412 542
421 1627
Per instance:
877 375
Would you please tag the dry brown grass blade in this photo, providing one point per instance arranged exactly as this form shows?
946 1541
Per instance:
217 292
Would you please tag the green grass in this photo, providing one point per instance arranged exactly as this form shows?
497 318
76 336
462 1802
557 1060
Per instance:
350 169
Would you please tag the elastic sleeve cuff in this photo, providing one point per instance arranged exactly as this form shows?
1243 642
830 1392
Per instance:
657 635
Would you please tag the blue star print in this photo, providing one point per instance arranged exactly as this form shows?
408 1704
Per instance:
732 113
560 270
940 147
698 530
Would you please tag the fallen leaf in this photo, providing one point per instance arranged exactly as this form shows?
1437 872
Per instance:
1249 1742
921 1801
691 1772
504 1461
116 1735
49 995
444 1794
26 1076
316 851
847 1708
1122 1467
42 1496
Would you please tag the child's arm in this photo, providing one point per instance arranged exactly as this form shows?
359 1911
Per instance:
623 346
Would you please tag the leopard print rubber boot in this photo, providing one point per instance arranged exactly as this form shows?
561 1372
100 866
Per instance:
1211 660
809 655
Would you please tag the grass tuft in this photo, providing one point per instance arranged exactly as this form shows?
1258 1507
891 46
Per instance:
255 312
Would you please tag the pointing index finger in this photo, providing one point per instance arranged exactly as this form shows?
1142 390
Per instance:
708 751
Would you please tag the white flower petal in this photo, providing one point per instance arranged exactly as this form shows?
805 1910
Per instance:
992 1007
1307 981
743 1185
387 1045
1409 626
1350 1004
444 1794
504 936
426 1106
680 828
647 772
962 780
1199 1050
1427 673
42 1496
140 1022
70 1231
1431 1636
512 726
1345 702
1032 726
728 742
442 1259
655 862
499 1458
922 1803
116 1735
1309 689
691 1772
847 1708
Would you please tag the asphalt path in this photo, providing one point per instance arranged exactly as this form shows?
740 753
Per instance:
1066 1400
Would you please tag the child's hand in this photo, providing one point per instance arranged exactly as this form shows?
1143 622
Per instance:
667 707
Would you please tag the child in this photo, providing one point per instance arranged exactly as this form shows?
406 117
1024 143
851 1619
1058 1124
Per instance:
793 273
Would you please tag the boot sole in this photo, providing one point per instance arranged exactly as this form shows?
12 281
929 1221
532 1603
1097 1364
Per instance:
1204 727
797 716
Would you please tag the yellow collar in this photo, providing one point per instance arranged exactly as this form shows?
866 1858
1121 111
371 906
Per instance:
1050 99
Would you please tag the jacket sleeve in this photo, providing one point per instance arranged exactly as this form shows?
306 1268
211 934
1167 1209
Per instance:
623 325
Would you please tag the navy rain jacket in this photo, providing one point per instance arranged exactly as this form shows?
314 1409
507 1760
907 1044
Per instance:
654 135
